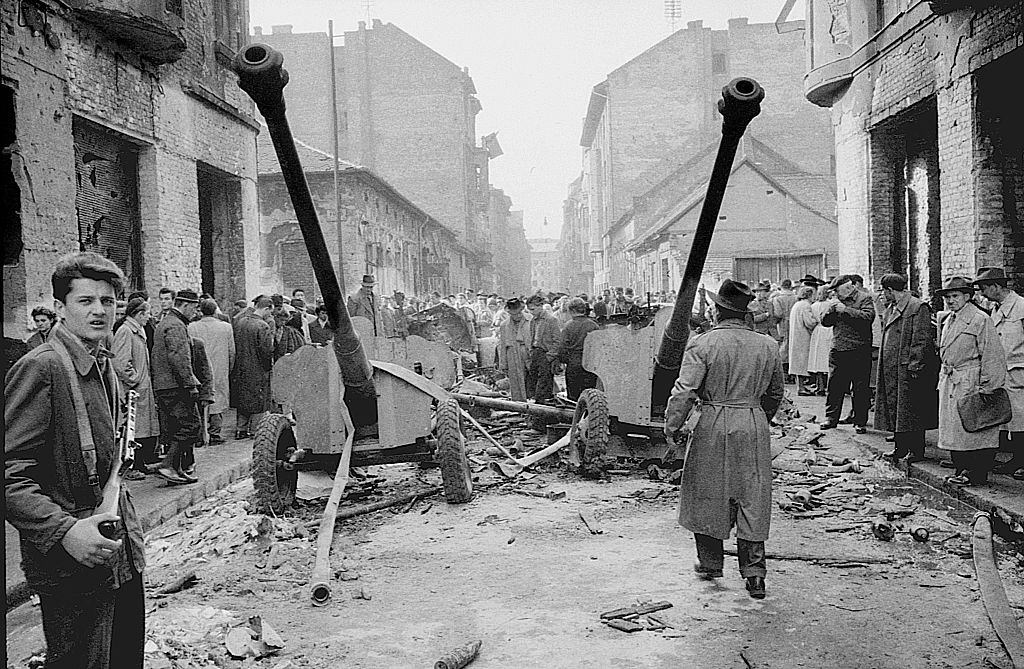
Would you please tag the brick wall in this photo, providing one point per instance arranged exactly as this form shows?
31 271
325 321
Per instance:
99 78
940 60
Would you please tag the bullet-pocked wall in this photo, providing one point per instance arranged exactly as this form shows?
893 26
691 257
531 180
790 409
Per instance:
928 150
112 121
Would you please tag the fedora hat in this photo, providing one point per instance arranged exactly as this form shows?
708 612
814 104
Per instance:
956 283
991 275
187 296
811 280
732 295
368 280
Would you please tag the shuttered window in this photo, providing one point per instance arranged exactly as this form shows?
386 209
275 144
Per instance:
107 198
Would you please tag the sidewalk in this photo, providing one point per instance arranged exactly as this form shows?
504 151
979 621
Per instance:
1002 493
155 500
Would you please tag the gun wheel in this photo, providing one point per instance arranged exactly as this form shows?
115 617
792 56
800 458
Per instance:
588 436
451 453
273 444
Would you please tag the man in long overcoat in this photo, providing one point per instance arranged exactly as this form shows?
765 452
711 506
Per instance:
176 387
1008 320
365 303
250 376
514 347
906 401
736 375
219 339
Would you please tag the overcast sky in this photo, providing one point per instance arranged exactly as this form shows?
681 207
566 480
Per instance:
533 63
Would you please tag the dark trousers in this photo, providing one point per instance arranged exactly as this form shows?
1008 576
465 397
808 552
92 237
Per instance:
711 555
975 464
540 380
180 426
846 368
577 380
97 630
909 442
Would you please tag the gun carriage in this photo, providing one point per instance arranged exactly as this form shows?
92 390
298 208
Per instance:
637 362
339 408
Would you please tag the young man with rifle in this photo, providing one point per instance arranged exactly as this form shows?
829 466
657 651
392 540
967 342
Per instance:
81 542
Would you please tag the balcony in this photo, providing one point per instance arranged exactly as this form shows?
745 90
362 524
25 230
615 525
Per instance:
155 29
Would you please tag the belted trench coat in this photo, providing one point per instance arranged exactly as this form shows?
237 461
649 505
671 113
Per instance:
1008 319
972 359
736 376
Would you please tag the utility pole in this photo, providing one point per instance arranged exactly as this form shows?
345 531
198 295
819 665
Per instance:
337 190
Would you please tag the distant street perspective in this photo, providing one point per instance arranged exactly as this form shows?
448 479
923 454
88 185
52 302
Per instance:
714 358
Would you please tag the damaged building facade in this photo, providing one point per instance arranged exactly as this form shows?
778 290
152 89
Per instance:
649 120
125 134
406 114
929 146
383 233
511 253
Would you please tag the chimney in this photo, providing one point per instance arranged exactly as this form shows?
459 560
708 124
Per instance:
362 25
377 23
694 25
285 29
737 23
257 31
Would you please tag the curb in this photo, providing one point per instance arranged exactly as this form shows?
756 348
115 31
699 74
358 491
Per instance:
930 473
19 593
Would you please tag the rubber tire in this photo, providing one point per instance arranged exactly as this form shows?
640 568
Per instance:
451 453
590 449
274 486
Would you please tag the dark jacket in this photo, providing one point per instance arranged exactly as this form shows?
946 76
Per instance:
254 353
545 334
46 482
570 350
320 334
291 340
852 327
171 363
908 369
367 306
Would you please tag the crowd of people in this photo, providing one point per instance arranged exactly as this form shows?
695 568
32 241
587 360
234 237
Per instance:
917 368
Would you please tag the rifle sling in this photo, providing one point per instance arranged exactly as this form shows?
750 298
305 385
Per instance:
84 428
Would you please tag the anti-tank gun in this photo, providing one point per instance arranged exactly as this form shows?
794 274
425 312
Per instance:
637 362
339 409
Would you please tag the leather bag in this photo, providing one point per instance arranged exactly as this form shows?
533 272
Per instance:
979 411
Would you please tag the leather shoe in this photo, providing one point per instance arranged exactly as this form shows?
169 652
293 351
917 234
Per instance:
891 438
170 475
829 426
847 421
895 454
860 429
755 586
707 574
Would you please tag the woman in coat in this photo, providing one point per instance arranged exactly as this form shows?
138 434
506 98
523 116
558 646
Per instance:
131 363
821 343
801 324
972 361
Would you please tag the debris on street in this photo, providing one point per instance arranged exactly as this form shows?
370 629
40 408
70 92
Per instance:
460 657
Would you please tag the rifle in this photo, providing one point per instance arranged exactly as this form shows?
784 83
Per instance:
124 458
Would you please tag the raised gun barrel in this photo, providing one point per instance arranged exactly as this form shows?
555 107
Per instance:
740 103
261 76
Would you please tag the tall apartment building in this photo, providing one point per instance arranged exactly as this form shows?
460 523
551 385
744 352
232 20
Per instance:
407 114
125 133
658 111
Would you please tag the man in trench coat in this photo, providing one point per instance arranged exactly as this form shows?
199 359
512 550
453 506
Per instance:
250 376
736 376
906 402
219 339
